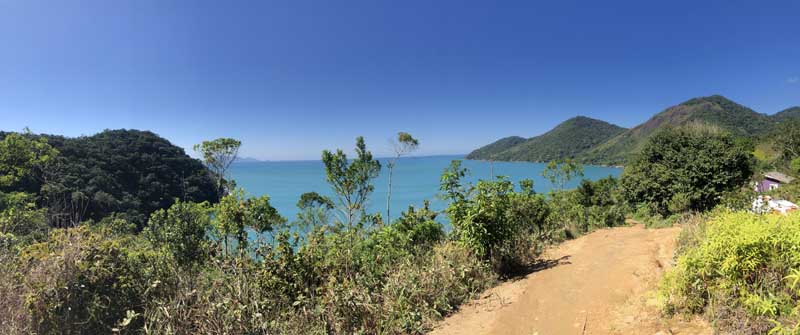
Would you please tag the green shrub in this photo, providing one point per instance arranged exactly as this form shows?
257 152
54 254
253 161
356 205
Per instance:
591 206
417 228
739 199
485 225
737 262
490 216
82 281
183 231
21 222
686 169
529 212
568 213
500 225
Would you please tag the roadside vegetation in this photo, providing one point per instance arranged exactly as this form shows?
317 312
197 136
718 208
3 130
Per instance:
741 268
230 263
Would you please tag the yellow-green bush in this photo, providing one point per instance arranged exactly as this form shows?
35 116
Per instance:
736 266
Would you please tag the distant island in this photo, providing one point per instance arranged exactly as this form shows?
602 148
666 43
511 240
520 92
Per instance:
592 141
248 160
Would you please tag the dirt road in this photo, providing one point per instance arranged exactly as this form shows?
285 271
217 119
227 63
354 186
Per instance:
601 283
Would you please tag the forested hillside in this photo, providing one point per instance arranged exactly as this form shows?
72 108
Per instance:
715 111
490 150
567 140
585 142
786 114
129 172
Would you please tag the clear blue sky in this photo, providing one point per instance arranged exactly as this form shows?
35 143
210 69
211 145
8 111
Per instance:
291 78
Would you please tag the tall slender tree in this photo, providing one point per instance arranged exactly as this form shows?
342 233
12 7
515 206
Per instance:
219 154
403 145
352 181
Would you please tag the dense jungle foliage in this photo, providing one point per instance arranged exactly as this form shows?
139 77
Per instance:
128 172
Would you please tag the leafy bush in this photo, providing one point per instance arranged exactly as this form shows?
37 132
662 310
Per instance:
686 169
735 266
591 206
415 229
740 199
20 220
485 225
568 214
496 222
183 231
504 226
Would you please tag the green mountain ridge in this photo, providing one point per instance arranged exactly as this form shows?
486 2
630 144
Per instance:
786 114
590 142
567 140
489 150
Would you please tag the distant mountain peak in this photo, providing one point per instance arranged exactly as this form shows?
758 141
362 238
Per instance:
718 98
597 142
581 120
569 138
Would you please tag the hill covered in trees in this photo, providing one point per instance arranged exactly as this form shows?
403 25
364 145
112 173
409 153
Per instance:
787 114
128 172
586 146
490 150
567 140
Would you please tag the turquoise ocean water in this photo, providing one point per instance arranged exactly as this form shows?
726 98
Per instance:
415 180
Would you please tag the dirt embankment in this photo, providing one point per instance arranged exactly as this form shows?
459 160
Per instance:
601 283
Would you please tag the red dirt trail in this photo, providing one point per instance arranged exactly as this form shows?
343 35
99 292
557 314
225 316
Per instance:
600 283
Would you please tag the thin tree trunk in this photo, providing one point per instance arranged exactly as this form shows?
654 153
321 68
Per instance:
389 194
